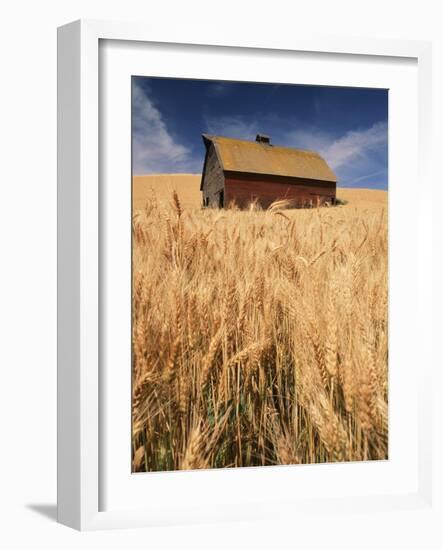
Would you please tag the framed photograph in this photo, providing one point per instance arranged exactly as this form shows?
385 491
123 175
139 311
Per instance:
242 258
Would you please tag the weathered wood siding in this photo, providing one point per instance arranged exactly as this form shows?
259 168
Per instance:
246 188
214 179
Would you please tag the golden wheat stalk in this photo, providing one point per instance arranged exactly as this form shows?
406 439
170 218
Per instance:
259 337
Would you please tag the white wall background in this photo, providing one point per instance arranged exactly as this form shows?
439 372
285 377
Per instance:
28 253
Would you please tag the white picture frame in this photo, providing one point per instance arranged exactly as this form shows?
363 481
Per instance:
81 415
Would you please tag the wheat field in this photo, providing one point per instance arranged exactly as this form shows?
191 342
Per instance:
259 337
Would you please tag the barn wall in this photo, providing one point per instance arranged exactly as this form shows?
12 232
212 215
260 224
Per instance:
214 178
245 188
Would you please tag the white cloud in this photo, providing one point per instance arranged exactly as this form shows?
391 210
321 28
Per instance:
355 144
154 149
355 156
232 126
218 89
369 176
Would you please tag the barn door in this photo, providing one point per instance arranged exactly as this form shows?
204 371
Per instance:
221 199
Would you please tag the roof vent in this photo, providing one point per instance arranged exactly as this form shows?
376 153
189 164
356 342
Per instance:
262 138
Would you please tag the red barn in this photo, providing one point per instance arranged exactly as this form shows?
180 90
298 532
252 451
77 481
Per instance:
242 172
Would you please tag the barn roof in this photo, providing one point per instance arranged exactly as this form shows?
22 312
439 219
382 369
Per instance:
238 155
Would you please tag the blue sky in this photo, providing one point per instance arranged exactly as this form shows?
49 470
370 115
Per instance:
348 126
